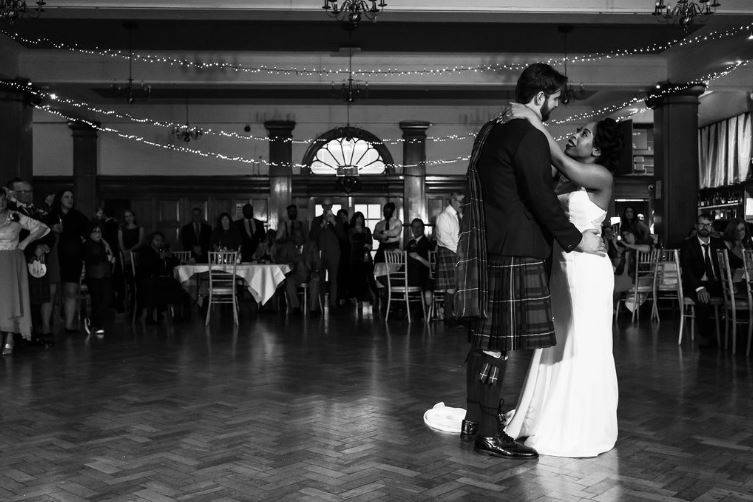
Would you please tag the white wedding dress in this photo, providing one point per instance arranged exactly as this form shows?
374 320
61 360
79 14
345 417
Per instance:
568 406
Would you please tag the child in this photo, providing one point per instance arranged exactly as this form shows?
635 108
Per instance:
99 259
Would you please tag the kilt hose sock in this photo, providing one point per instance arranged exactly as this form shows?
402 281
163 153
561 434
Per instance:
484 376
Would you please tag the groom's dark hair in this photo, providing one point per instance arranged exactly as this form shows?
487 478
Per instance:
538 77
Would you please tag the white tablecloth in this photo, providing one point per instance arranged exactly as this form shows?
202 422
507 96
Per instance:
261 280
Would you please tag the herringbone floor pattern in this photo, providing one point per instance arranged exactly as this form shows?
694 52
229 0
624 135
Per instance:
332 410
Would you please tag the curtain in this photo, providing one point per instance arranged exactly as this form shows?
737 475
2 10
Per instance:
725 151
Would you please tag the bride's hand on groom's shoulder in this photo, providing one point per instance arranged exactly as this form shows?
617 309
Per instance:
518 111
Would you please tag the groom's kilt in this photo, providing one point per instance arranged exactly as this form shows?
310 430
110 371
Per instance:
519 310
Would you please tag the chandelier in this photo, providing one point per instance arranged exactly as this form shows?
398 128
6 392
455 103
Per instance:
187 132
351 89
11 10
352 12
685 11
570 92
131 90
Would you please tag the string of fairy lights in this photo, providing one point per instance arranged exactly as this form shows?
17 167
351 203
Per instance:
172 61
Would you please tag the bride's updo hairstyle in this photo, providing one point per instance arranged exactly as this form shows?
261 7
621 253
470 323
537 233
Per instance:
608 139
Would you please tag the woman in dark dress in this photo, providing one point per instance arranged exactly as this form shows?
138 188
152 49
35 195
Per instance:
74 231
130 235
342 225
362 284
225 235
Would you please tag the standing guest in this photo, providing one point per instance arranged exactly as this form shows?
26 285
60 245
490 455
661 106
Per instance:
701 277
323 233
342 226
196 236
47 202
387 232
737 240
629 221
15 309
418 260
130 235
44 252
74 231
361 267
266 249
305 266
292 225
447 233
225 235
99 260
251 231
110 229
158 288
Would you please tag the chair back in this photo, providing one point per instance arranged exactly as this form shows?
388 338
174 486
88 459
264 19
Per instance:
432 264
397 269
668 272
748 265
222 271
728 284
182 256
645 268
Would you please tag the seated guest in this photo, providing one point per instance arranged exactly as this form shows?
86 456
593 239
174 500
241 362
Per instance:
156 285
362 285
251 232
638 228
737 241
305 266
701 276
196 237
291 225
226 236
265 251
418 260
98 260
387 232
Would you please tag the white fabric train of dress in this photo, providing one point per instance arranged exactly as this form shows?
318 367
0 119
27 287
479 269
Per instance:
568 405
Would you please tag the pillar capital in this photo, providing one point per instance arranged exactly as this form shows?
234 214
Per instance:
414 129
280 129
686 95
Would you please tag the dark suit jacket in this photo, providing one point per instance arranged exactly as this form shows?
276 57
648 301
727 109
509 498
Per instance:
249 242
523 215
189 239
326 238
694 266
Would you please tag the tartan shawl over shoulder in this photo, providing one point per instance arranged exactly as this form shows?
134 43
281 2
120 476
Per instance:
471 274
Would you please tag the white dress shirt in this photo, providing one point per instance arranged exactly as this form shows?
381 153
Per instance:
393 229
447 229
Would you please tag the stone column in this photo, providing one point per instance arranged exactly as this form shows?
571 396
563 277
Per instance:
676 163
281 168
85 160
414 172
16 152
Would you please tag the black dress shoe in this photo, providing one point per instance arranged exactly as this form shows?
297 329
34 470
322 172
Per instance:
468 430
503 446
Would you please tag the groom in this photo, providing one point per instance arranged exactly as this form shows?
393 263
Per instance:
512 217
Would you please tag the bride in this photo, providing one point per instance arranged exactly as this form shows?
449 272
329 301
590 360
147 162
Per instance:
568 406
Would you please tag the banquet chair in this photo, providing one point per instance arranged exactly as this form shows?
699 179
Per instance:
222 281
643 283
303 290
398 289
438 295
667 284
748 265
687 308
734 302
183 257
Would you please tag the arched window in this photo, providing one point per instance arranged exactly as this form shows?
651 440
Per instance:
348 151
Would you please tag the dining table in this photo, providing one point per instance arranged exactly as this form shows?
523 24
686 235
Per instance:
260 279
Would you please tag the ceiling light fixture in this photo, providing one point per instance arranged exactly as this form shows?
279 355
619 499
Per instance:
11 10
187 132
351 12
132 91
685 12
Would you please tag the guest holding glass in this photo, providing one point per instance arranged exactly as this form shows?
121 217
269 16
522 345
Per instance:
226 236
362 285
15 308
74 230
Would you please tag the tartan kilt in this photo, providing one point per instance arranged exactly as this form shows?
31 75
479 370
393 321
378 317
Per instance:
519 307
445 272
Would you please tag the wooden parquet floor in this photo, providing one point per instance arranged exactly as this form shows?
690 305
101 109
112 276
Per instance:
331 410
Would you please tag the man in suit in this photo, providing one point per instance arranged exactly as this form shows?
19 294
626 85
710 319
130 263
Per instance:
511 217
324 234
252 232
305 266
196 236
701 276
292 229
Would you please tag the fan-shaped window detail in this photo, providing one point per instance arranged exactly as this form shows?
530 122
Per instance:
348 151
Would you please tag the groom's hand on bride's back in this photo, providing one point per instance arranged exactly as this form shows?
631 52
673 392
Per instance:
592 243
